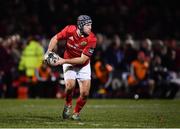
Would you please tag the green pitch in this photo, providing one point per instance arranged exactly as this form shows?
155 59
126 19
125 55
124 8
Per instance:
101 113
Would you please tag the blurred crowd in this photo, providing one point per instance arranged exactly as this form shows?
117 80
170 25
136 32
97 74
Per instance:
147 68
120 68
142 18
137 48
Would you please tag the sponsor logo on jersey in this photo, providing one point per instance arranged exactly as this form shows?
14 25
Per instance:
83 43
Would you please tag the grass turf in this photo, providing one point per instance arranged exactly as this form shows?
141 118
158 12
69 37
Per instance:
98 113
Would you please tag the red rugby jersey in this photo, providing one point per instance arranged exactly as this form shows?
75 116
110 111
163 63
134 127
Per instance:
76 45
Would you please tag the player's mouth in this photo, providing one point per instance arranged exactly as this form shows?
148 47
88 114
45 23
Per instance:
89 31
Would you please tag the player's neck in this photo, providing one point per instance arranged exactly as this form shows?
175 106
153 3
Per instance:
79 33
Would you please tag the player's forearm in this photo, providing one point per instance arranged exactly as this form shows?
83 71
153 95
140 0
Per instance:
52 43
77 60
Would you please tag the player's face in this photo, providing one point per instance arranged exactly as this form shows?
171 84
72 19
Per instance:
87 28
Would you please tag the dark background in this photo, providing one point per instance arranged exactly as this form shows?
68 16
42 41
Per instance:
142 18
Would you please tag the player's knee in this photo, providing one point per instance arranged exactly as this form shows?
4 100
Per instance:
68 91
84 95
69 86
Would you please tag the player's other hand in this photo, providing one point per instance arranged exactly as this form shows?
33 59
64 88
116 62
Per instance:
60 61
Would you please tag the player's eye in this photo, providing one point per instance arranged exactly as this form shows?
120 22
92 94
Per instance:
88 24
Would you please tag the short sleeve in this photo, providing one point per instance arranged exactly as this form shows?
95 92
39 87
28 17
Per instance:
66 32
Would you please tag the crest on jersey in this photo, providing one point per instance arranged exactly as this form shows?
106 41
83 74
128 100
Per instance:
83 43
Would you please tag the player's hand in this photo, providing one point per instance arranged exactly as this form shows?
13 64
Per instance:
46 55
51 58
60 61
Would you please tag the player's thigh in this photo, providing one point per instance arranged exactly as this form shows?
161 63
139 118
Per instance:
70 83
84 86
69 72
84 73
